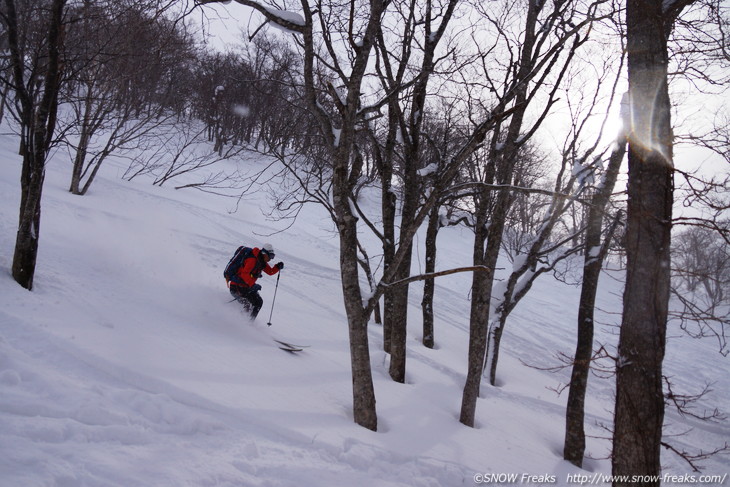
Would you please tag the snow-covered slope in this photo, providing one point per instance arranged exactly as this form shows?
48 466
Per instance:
129 366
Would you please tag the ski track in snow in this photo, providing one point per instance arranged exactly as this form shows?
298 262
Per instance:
129 366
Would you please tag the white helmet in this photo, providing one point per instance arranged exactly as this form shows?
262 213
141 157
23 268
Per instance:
268 249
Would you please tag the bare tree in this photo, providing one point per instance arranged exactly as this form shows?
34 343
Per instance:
539 55
169 151
639 412
117 90
596 249
701 284
400 154
5 68
699 50
444 135
338 134
35 79
688 405
332 92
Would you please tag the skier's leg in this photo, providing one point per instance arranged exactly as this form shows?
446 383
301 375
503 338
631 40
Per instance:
256 302
242 297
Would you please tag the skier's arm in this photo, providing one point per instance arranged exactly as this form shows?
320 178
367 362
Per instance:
271 270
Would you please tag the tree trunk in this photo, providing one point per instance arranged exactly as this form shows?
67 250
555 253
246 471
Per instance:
87 132
3 101
79 162
483 281
399 321
26 242
574 447
429 284
388 210
481 299
363 392
410 128
38 121
639 412
494 341
639 396
478 321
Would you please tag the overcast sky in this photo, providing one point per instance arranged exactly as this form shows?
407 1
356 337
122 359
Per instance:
223 23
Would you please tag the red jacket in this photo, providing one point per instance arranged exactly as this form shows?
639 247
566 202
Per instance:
252 268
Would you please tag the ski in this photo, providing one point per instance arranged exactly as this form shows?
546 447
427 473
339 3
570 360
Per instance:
290 347
291 350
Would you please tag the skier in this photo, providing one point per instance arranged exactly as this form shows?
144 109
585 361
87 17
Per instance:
242 284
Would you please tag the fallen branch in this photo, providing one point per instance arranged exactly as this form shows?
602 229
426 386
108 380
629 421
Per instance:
431 275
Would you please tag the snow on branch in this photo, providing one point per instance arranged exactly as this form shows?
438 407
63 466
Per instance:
284 19
428 170
285 16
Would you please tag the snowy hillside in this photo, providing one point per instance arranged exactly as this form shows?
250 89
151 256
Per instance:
129 366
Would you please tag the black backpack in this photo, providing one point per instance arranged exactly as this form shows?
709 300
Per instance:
242 253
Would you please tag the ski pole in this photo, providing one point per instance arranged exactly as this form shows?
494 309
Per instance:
273 300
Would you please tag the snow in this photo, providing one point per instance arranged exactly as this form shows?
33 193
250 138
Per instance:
341 93
241 110
584 174
428 170
592 253
336 133
519 262
287 16
128 364
578 167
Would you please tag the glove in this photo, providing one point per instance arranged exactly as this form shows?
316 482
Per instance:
279 265
256 288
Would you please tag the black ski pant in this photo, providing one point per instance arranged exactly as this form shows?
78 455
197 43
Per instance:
250 299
